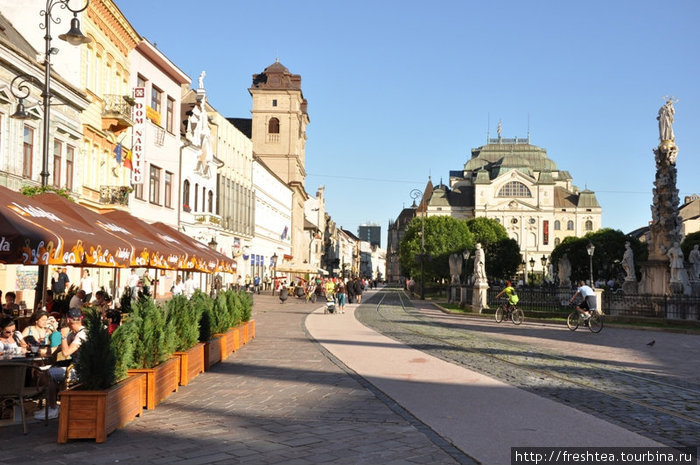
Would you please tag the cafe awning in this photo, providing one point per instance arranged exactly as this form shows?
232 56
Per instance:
208 260
33 232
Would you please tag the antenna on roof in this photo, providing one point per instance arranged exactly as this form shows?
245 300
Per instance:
488 127
528 128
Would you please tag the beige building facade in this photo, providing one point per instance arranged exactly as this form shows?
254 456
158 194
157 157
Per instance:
279 120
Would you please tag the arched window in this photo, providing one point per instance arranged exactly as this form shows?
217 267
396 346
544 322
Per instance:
557 241
196 197
514 189
273 127
186 195
557 225
211 202
589 225
570 225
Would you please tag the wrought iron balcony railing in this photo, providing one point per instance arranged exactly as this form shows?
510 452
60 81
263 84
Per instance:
115 195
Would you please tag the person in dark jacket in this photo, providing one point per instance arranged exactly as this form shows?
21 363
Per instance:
357 288
350 289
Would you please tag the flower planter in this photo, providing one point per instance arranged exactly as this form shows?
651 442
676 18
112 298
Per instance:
212 352
95 414
191 363
160 381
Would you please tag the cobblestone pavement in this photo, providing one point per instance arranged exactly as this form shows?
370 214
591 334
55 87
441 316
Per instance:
653 403
280 399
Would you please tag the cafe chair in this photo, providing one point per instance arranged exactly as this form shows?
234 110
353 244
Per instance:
13 389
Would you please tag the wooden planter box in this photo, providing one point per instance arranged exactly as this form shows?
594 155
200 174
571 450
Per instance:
230 336
159 382
95 414
236 335
191 363
246 332
251 329
212 352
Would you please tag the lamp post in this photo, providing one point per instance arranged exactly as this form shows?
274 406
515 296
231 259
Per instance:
416 194
590 248
523 265
543 260
532 268
274 272
74 37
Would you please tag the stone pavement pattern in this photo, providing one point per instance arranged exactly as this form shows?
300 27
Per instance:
281 399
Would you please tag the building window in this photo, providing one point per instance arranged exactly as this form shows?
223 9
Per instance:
557 241
557 225
570 225
589 225
154 185
167 195
57 163
514 189
156 96
186 196
140 81
196 197
170 115
210 206
70 153
138 191
274 102
28 153
273 126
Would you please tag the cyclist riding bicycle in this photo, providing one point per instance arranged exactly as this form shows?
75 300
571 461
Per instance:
509 291
589 302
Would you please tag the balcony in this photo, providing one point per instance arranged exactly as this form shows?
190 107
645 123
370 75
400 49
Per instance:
115 195
116 115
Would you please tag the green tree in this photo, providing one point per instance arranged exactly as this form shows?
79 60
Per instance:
96 363
689 242
609 249
444 235
502 253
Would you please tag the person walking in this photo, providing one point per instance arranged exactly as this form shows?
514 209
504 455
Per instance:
357 288
340 294
87 285
350 291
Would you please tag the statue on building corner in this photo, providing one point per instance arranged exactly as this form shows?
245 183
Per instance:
201 79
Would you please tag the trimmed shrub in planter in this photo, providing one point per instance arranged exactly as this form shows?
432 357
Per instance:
97 406
184 318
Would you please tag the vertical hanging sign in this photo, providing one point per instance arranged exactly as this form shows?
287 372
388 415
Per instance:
138 135
545 232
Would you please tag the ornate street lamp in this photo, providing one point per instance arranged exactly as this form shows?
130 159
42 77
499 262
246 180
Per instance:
590 248
416 194
532 268
274 272
523 266
543 260
74 37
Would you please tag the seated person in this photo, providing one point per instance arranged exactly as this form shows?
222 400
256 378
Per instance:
10 308
10 338
77 300
38 332
509 291
72 336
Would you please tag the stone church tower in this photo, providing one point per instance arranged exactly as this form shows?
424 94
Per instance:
279 120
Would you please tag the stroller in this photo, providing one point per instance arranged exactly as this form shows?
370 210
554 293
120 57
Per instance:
330 304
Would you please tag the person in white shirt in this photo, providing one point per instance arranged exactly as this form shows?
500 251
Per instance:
178 288
78 299
87 285
133 283
588 303
189 286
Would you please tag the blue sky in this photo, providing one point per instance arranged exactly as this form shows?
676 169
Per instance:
400 90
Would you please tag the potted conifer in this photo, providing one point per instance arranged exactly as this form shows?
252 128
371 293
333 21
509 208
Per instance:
97 405
184 318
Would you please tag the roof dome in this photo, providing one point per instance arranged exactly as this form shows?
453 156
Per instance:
276 67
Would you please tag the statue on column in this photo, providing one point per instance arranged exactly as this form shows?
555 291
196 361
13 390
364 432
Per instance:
665 118
479 264
628 263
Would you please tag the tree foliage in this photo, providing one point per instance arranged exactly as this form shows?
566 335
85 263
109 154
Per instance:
444 235
502 254
689 242
609 249
96 363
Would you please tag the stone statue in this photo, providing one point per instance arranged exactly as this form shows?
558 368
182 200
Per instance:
201 79
455 262
694 259
628 263
479 264
665 118
564 271
675 257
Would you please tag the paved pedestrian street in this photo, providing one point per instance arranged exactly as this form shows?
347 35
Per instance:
280 399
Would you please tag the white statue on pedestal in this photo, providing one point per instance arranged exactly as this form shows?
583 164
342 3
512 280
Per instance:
675 257
665 118
564 271
455 262
479 264
694 259
201 79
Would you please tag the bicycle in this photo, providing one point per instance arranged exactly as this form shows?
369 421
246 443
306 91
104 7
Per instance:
594 322
505 311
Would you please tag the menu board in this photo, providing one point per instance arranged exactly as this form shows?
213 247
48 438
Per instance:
26 279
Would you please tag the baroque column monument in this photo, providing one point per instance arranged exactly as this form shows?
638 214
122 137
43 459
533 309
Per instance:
665 228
